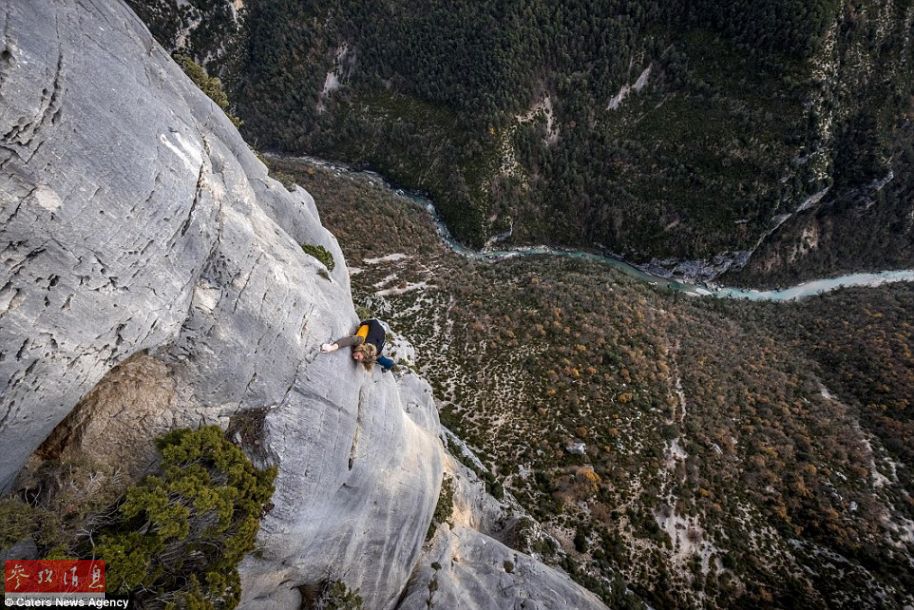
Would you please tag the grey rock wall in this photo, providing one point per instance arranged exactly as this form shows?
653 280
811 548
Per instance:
138 229
468 570
356 506
134 217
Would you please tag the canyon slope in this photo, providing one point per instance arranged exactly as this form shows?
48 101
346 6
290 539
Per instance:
714 453
769 142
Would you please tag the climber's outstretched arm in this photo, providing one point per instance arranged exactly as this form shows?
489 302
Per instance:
346 341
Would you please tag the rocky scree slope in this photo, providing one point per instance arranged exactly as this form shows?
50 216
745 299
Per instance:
152 277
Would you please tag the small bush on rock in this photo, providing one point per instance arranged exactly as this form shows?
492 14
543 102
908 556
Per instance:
17 521
443 508
336 595
210 85
59 505
320 253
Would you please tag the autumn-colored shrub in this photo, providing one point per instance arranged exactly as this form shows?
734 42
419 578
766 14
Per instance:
210 85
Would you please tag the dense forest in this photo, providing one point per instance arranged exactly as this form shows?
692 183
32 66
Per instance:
712 453
667 131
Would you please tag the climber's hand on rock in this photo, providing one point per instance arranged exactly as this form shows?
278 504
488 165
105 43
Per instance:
329 347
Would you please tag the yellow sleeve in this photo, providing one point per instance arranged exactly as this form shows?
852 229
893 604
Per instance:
362 332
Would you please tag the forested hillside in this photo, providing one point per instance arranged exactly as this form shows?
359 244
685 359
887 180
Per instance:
712 453
657 130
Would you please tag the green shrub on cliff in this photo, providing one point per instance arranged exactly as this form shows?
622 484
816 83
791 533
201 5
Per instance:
443 508
180 534
58 504
17 521
336 595
320 253
210 85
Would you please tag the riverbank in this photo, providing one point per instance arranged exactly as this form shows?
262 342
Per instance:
492 254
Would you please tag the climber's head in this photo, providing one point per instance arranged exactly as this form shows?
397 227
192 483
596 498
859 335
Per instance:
365 353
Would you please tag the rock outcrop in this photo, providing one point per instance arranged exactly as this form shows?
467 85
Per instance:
472 571
152 277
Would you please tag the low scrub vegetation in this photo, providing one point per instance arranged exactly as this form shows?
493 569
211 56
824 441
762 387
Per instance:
173 539
700 419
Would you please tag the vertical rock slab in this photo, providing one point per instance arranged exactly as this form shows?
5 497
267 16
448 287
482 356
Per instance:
361 473
105 211
117 179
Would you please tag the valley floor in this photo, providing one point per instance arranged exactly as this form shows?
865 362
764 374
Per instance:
712 453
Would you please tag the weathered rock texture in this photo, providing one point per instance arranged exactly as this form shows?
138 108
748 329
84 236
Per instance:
116 421
471 571
468 564
152 274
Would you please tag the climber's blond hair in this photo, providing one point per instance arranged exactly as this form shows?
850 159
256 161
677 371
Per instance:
369 354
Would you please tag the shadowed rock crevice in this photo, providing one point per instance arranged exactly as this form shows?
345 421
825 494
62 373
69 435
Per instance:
115 423
246 429
354 449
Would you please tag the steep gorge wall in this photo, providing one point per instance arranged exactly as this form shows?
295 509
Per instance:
138 229
752 125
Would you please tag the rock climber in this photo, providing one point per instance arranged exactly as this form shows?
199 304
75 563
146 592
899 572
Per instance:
367 343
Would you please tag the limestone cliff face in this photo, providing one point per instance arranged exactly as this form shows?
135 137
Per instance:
152 277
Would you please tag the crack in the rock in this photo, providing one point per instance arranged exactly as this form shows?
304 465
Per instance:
247 281
32 254
19 205
182 230
155 182
353 451
6 56
9 411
